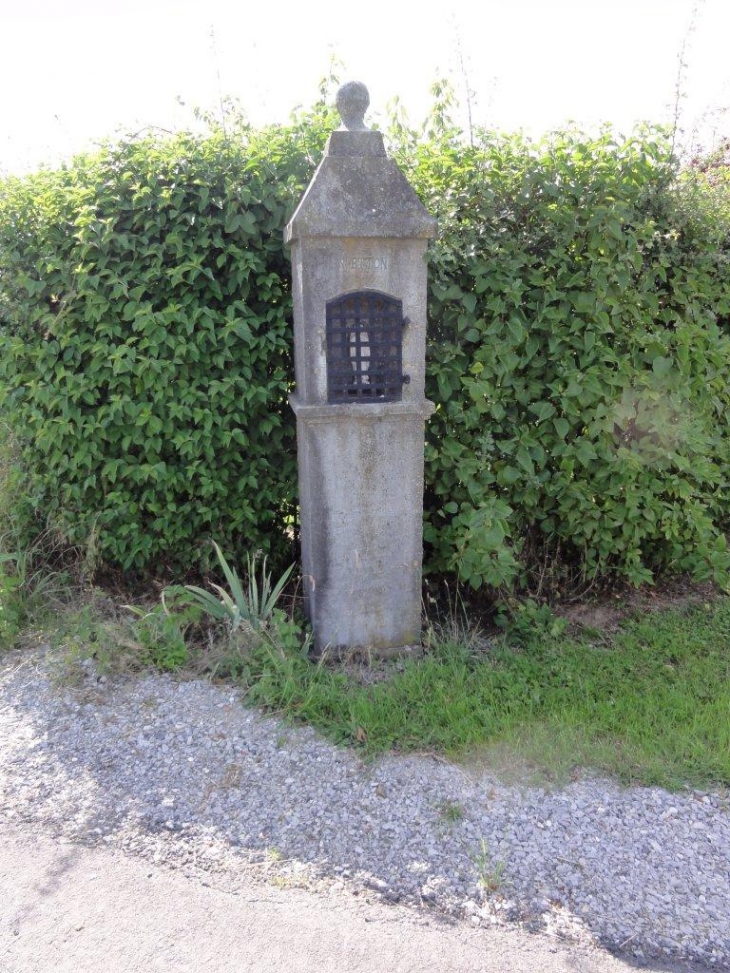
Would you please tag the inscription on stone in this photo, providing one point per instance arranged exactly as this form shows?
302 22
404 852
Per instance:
363 263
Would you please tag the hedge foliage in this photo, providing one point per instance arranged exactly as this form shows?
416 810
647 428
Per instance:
578 352
145 319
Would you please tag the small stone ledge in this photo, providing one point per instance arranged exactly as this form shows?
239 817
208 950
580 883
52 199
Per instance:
367 412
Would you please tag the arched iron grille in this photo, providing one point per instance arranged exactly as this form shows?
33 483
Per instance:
365 348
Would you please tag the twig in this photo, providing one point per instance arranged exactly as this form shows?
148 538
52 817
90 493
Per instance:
681 69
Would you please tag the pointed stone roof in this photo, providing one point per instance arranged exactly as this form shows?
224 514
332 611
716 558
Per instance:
357 191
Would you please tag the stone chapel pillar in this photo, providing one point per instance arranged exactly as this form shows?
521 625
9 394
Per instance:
358 242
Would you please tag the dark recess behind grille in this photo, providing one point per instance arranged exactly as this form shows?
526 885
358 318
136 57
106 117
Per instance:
365 348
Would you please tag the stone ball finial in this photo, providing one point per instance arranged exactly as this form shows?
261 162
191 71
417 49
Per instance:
352 102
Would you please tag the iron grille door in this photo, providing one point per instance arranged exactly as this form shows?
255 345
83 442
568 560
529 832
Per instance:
365 348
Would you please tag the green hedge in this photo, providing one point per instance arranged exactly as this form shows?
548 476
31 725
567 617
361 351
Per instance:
146 325
580 310
578 353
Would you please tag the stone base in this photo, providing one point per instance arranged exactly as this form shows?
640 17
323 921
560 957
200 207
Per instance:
361 500
367 656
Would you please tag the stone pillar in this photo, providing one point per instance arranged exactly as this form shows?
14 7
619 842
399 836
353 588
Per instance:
358 242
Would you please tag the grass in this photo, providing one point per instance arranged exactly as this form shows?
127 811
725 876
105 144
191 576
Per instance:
34 579
451 811
117 639
489 872
30 592
648 705
651 706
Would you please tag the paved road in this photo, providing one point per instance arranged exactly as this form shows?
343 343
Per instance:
65 908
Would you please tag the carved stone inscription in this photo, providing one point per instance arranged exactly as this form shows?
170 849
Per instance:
363 263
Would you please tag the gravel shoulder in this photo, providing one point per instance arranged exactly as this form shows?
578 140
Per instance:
180 775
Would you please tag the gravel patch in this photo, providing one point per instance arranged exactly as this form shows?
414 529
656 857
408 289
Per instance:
182 774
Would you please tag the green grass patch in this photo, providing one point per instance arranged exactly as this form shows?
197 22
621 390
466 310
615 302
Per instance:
652 706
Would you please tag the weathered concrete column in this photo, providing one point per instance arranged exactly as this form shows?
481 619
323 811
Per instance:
358 242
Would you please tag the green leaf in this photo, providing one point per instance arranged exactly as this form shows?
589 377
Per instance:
661 366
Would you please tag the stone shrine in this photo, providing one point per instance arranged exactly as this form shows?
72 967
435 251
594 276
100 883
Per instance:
358 240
